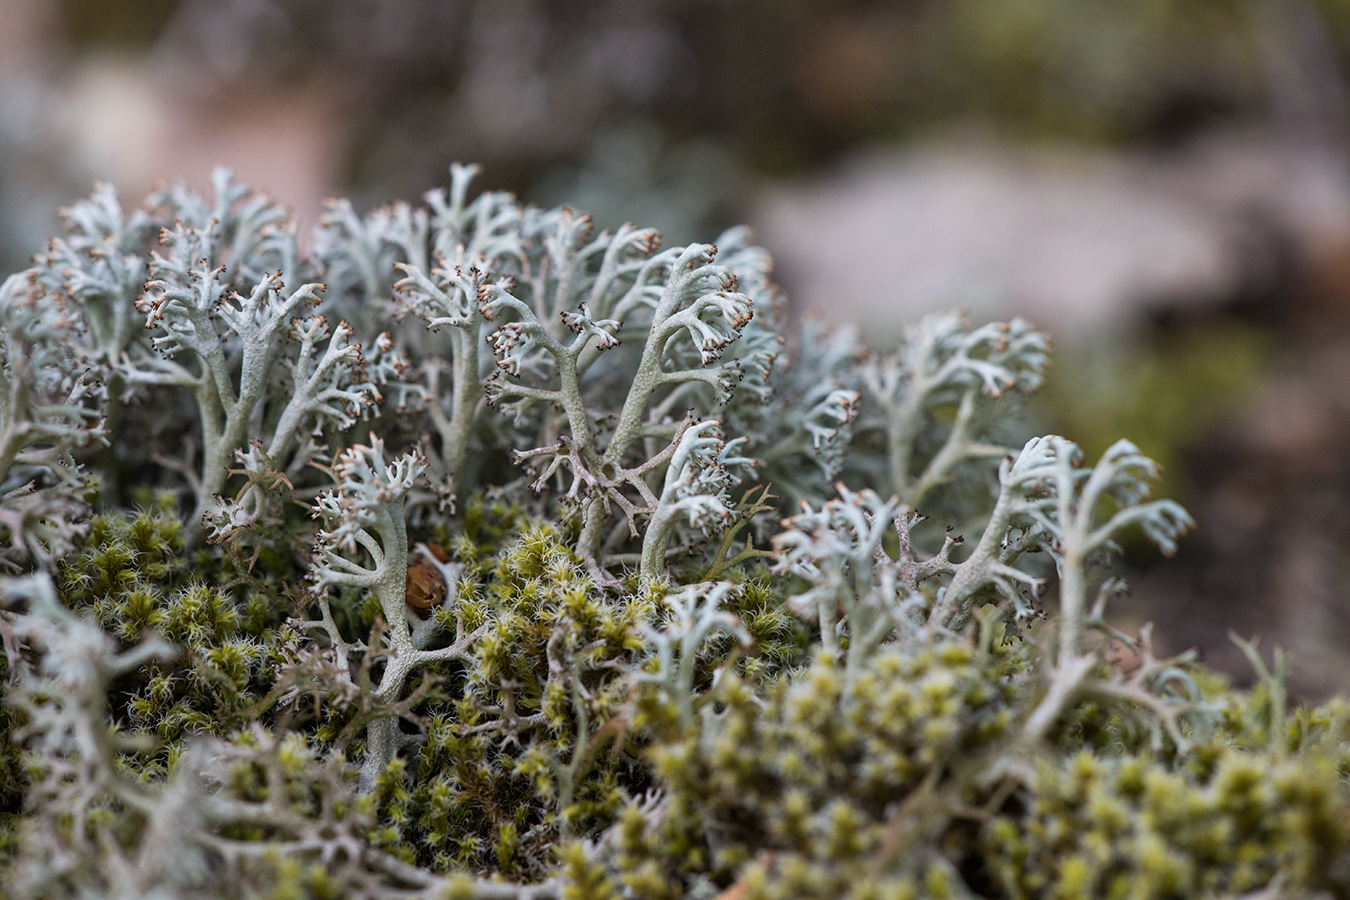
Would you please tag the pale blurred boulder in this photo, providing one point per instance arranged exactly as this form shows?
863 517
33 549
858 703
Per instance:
1080 241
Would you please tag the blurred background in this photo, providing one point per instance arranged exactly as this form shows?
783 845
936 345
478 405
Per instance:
1162 184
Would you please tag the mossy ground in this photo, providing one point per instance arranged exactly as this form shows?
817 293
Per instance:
796 780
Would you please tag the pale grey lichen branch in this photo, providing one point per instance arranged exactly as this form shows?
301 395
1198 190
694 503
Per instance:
51 404
442 252
100 263
448 299
853 584
228 373
943 363
803 432
250 234
1049 499
364 544
483 232
1084 510
358 256
697 304
229 348
331 390
697 489
48 398
696 614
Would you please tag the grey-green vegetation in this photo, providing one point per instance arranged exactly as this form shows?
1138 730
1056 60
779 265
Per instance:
463 550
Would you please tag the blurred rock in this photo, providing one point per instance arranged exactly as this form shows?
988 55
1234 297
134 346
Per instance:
1079 241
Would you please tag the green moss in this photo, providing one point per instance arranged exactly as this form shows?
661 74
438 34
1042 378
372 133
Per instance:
812 772
1093 827
799 775
524 753
135 578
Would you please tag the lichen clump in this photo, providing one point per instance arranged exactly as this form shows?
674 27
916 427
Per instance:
462 550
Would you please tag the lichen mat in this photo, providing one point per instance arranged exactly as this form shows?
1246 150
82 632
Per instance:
463 550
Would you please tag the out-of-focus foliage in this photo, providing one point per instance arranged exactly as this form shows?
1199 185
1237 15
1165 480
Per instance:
775 85
1166 394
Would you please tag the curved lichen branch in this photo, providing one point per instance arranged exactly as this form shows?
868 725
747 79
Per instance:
696 308
697 489
943 363
854 586
1048 500
364 544
51 405
696 613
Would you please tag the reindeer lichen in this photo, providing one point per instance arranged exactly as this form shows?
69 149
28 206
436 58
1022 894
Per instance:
465 550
